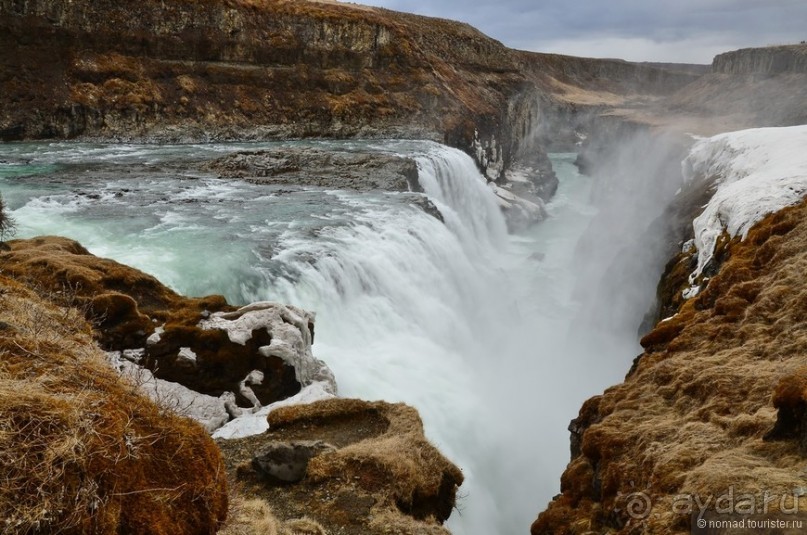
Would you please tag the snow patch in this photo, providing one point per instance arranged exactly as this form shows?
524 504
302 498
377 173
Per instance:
155 337
207 410
186 356
691 292
255 423
756 172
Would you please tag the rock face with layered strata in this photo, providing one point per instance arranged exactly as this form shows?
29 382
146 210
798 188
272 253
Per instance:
240 69
768 61
202 70
326 168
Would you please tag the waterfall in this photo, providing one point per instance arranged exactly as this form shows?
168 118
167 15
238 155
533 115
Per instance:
478 329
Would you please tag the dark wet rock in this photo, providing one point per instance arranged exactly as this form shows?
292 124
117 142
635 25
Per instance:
425 204
287 461
326 168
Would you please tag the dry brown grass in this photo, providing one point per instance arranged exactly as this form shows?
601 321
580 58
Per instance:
383 477
400 467
693 417
81 451
401 455
255 517
250 517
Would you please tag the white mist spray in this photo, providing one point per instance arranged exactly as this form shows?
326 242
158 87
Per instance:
496 339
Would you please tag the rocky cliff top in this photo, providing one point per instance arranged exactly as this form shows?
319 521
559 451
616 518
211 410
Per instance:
201 70
697 415
135 465
770 60
357 467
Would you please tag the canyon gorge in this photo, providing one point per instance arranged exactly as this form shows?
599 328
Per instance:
382 261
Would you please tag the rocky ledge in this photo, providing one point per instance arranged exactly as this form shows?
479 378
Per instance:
521 197
212 360
354 467
108 423
326 168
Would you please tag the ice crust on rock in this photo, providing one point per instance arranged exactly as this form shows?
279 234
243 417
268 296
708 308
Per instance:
754 172
255 423
290 330
207 410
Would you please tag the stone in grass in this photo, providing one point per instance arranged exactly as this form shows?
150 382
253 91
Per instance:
287 461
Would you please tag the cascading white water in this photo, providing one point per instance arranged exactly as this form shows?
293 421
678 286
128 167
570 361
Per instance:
477 329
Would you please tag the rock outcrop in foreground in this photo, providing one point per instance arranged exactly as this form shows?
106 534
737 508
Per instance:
84 451
134 311
81 450
353 466
713 408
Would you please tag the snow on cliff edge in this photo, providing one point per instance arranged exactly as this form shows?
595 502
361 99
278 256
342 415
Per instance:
755 172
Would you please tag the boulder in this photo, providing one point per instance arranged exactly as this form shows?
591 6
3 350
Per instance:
287 461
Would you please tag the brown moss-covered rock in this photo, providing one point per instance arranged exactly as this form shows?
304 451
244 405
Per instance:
127 305
693 416
790 398
119 319
378 475
81 451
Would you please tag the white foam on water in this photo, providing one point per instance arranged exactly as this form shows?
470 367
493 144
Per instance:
475 328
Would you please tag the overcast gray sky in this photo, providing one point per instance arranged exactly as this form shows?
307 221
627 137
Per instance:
651 30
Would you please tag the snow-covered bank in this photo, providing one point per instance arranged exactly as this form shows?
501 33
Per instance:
754 172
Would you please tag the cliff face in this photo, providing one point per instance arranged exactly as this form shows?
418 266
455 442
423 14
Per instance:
769 61
235 69
198 70
695 415
713 410
744 89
